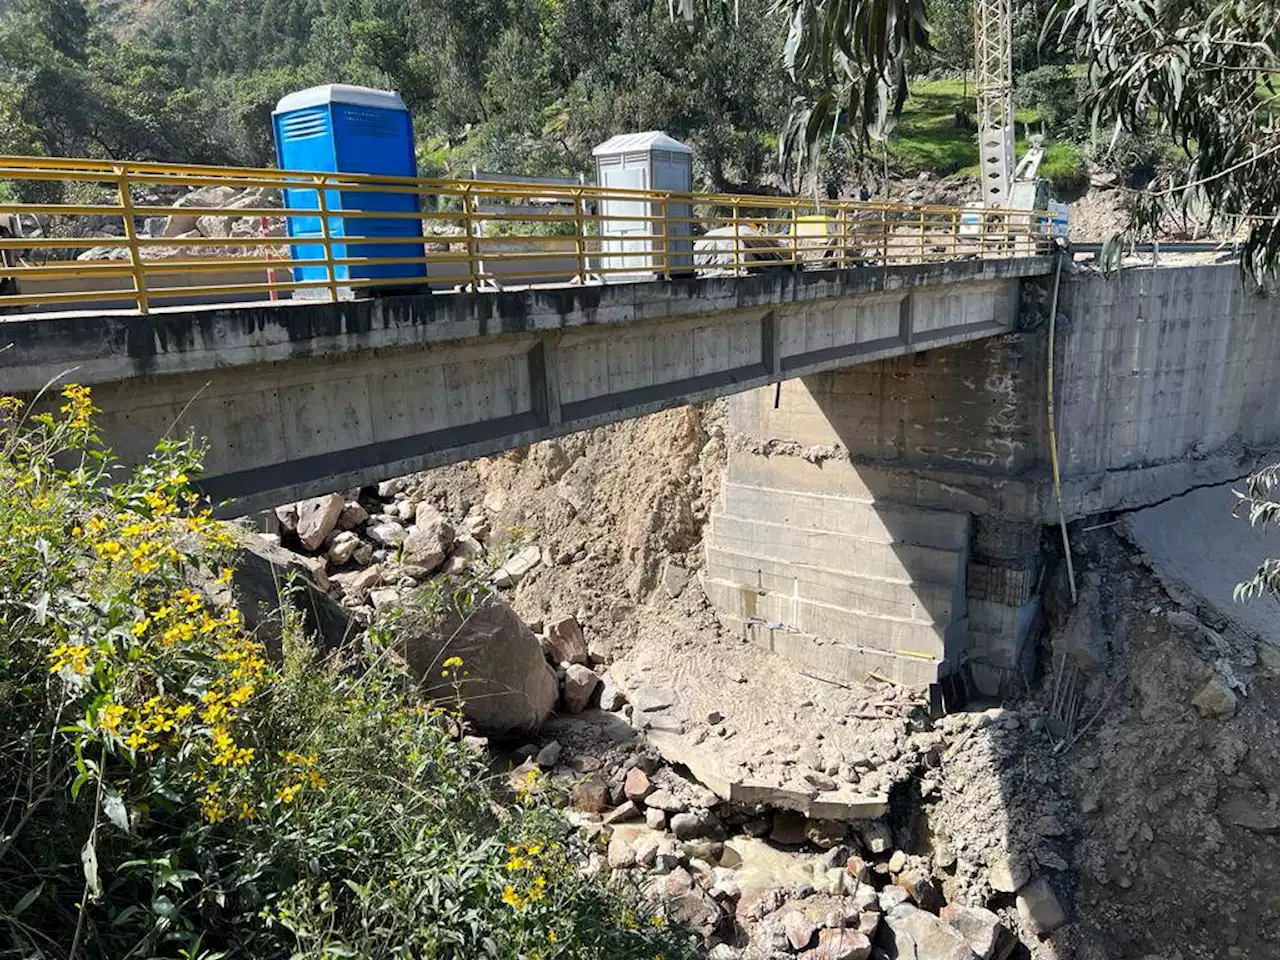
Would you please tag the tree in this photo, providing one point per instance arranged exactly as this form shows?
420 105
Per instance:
848 60
1202 72
951 33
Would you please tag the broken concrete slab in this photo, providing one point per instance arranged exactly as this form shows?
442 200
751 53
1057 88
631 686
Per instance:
708 767
1199 550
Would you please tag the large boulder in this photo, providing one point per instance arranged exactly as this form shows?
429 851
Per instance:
181 223
428 541
504 681
1039 908
316 519
564 642
911 932
718 250
984 930
267 578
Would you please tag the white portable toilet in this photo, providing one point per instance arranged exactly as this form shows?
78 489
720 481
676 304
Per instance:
644 161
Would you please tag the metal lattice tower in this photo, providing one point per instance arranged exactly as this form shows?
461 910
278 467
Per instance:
993 56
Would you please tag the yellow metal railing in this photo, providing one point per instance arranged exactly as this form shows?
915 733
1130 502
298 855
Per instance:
474 234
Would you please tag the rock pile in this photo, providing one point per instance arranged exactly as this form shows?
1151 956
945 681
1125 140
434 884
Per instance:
380 548
1001 826
765 882
377 542
196 225
185 226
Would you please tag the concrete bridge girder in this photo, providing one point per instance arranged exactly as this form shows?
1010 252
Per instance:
297 399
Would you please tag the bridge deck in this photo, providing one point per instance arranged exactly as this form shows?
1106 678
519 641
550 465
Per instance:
299 397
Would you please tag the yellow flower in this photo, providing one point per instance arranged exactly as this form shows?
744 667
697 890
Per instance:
159 723
108 548
184 711
287 794
135 740
213 809
79 406
453 662
224 576
240 695
246 811
140 627
517 862
551 936
111 716
512 899
657 920
73 655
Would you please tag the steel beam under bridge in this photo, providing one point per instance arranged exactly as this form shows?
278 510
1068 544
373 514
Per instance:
296 398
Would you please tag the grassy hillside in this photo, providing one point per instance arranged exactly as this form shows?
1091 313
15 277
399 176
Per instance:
938 134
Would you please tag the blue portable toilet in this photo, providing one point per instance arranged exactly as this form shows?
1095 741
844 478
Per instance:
338 128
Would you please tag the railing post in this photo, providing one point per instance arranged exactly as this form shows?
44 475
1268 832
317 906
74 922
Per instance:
326 235
795 237
737 241
468 223
131 239
268 254
842 236
955 233
580 240
884 235
922 245
666 233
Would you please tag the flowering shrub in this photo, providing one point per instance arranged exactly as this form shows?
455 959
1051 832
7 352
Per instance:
167 790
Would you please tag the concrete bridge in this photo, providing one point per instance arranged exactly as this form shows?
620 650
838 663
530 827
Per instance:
884 507
297 398
888 488
888 485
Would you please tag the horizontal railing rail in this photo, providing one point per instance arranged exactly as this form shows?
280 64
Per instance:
153 233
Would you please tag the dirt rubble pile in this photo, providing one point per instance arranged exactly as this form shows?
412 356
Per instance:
776 813
783 816
1180 773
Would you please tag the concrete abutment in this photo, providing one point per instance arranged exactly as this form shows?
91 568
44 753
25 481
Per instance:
890 517
875 520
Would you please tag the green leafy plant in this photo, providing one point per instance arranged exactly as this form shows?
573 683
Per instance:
171 790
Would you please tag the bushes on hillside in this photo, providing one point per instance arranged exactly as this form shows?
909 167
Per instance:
170 791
